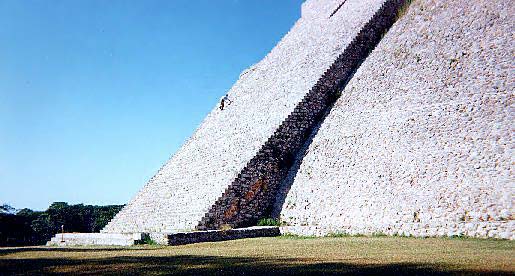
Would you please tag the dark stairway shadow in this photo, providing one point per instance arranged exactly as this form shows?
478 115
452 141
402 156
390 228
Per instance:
286 184
260 189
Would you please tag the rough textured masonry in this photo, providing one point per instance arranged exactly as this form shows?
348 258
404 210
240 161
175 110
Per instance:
421 141
346 127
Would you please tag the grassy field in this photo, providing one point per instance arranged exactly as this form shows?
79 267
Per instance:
277 256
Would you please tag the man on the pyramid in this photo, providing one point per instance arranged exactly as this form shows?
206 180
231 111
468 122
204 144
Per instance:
223 100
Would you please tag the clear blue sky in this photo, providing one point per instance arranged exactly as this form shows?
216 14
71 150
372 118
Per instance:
96 95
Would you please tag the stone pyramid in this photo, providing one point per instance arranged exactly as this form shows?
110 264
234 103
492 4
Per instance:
369 116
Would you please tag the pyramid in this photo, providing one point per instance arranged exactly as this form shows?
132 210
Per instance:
369 116
421 141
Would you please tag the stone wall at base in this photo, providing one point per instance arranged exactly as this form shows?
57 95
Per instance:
421 140
223 235
496 229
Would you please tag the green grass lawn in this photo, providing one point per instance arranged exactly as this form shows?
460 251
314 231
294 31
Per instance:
277 256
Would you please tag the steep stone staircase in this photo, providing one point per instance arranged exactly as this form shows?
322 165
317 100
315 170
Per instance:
252 194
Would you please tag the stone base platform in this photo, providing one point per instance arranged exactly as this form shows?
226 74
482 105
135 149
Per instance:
128 239
120 239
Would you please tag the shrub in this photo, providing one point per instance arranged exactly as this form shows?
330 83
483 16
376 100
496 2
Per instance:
268 222
296 237
148 240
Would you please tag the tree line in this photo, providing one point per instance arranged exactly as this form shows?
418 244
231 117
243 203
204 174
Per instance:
28 227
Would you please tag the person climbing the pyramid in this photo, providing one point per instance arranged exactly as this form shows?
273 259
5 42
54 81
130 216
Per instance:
223 100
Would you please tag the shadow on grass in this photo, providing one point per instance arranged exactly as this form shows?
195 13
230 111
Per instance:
213 265
6 251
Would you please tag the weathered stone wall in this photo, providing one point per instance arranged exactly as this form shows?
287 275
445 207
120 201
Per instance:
252 194
186 187
222 235
421 141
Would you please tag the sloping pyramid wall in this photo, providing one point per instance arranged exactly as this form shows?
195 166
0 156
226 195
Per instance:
253 193
187 186
421 141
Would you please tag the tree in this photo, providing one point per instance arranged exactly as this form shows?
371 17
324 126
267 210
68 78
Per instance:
42 228
28 227
7 209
